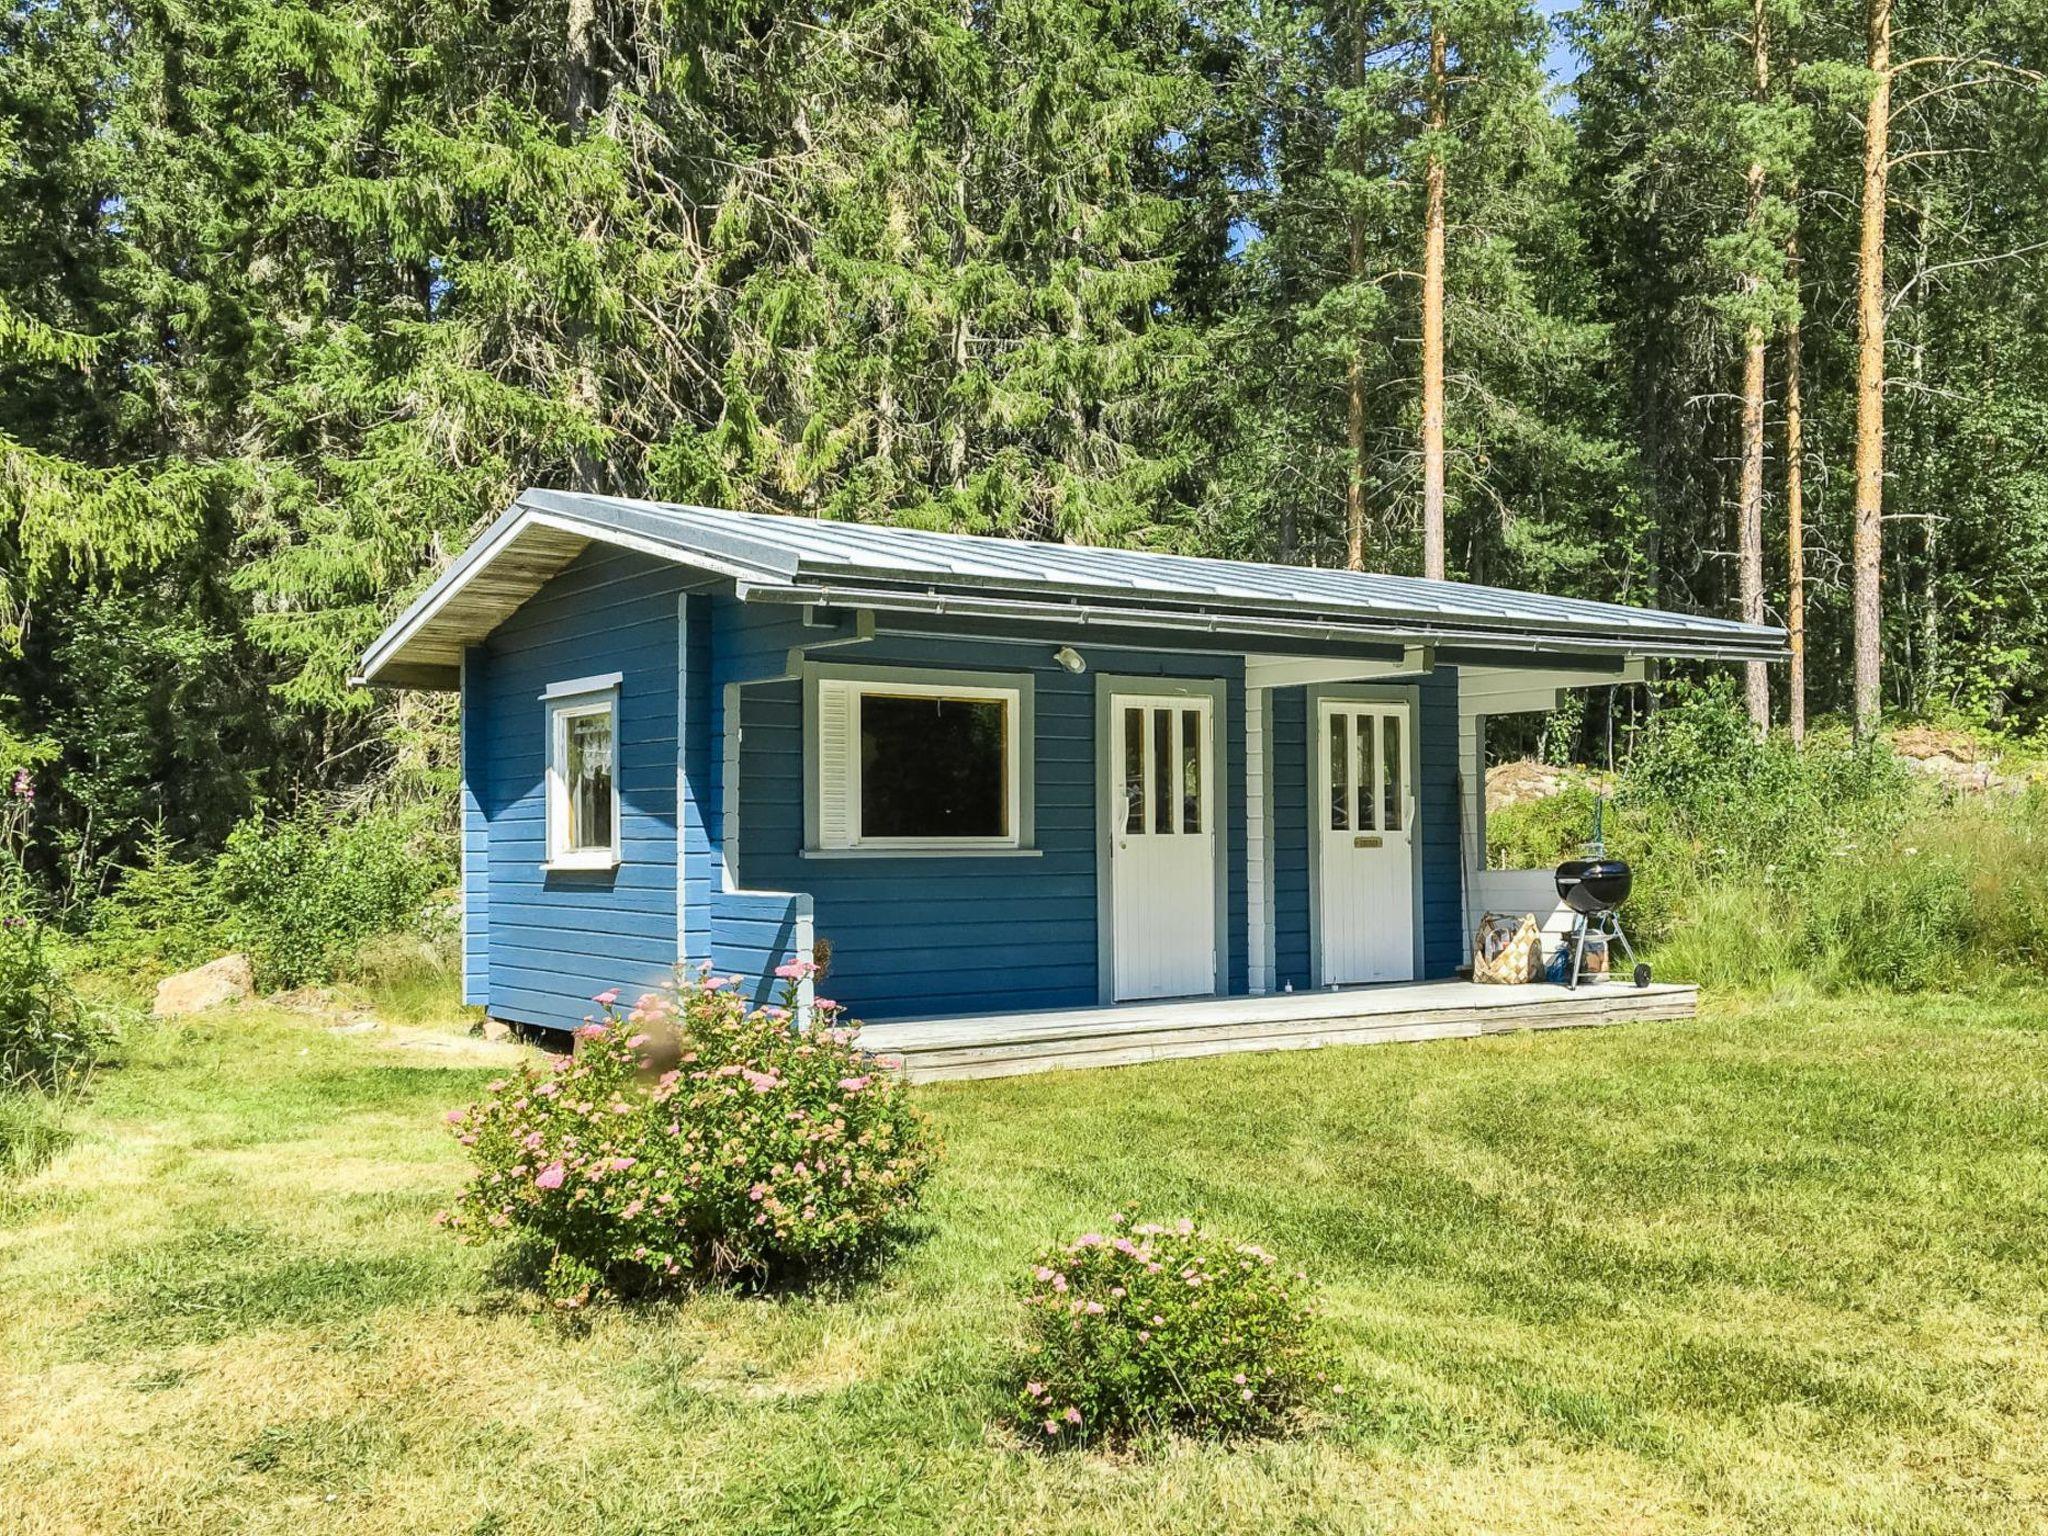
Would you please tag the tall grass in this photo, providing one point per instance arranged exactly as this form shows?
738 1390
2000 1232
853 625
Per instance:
1759 865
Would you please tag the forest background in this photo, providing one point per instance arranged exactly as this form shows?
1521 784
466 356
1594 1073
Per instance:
1734 307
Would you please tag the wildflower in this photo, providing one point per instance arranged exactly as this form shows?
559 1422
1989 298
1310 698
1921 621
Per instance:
1035 1388
796 970
607 997
454 1116
1073 1416
1052 1426
551 1176
854 1084
1093 1309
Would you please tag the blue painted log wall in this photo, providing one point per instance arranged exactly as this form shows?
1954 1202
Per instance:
966 933
909 935
555 939
476 840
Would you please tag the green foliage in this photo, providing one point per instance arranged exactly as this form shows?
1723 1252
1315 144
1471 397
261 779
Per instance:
692 1138
1165 1328
1758 864
304 892
48 1038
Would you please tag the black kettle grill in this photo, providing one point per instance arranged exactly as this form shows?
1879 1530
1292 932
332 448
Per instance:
1594 887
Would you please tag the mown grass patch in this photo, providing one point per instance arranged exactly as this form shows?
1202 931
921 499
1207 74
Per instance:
1777 1270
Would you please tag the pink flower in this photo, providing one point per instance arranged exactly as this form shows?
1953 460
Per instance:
551 1176
1073 1415
761 1082
607 997
855 1084
1035 1388
454 1116
1052 1426
1144 1335
796 970
1093 1309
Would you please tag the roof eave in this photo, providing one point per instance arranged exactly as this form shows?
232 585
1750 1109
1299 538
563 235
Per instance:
1223 617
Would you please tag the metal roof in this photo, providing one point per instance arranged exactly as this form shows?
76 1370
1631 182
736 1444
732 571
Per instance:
793 559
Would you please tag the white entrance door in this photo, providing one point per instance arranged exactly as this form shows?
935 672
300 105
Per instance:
1366 815
1163 859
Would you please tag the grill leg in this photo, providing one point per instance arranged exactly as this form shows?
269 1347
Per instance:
1578 951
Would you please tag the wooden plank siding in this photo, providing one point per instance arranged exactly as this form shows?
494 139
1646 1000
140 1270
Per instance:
555 939
961 932
711 774
754 932
476 839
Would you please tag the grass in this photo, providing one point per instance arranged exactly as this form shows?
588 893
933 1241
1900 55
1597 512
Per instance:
1781 1270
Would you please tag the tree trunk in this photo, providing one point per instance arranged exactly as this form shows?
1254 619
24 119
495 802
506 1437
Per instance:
1866 543
1433 320
1749 535
1354 491
1795 511
579 101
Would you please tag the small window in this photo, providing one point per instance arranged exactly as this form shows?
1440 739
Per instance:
582 779
917 765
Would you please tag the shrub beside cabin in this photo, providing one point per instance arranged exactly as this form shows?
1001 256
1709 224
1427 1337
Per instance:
993 775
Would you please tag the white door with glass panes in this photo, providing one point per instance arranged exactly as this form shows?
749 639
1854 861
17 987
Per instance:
1163 855
1365 810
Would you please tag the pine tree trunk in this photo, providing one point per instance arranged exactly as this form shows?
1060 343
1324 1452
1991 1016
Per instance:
1866 543
1354 379
1795 511
579 100
954 463
1749 537
1433 322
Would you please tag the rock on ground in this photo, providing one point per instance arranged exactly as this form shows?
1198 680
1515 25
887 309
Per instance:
226 980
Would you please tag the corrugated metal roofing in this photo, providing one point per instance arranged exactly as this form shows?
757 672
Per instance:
855 562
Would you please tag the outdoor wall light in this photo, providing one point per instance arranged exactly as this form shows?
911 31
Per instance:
1071 659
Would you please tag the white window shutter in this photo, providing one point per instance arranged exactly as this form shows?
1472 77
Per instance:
835 764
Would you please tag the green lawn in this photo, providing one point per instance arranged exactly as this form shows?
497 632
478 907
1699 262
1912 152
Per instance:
1784 1269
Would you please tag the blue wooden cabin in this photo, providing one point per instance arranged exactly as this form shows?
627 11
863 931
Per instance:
982 775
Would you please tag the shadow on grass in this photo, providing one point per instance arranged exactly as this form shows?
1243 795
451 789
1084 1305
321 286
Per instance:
518 1274
212 1283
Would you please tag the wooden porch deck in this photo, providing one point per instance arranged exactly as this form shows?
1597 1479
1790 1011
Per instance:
1006 1044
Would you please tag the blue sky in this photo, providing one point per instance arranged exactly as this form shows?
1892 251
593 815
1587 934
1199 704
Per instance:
1559 61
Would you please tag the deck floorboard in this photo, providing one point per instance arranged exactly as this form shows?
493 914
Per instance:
1006 1044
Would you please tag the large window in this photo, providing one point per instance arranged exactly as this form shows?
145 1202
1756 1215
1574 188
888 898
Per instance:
918 764
582 779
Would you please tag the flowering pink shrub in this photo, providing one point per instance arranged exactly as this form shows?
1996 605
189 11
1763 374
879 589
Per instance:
1148 1328
694 1137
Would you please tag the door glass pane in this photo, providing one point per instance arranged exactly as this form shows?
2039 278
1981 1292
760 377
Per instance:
1134 770
1390 773
1340 776
1162 770
1365 734
1191 770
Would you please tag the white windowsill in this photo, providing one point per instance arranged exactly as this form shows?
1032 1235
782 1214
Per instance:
915 852
600 861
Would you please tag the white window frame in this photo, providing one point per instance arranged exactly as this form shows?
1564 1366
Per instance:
844 786
563 702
